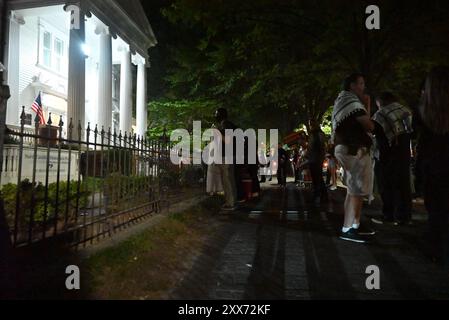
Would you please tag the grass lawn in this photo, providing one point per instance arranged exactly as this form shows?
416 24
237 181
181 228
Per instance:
149 264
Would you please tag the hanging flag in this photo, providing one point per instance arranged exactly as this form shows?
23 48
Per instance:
38 109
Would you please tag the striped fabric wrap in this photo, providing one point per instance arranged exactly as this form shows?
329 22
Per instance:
395 120
346 105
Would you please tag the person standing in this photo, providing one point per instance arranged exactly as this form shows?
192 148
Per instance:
227 168
417 167
332 167
393 137
434 157
316 153
214 183
352 124
302 143
283 163
296 165
263 163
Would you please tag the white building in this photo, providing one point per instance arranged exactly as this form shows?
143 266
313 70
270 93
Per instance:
81 56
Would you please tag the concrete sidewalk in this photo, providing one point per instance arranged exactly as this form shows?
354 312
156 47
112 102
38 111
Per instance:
278 247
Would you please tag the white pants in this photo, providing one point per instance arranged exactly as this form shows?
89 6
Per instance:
358 174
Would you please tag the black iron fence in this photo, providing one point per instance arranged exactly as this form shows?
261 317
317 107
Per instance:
81 185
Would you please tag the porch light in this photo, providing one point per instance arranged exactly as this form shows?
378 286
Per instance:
86 50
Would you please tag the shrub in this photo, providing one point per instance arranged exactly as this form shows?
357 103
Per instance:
121 190
33 196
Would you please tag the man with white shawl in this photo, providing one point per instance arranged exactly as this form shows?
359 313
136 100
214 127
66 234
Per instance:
351 128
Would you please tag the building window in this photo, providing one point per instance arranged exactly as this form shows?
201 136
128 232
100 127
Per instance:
53 53
59 54
28 119
47 49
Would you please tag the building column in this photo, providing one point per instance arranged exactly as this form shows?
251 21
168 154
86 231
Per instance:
126 92
105 81
13 70
142 113
76 97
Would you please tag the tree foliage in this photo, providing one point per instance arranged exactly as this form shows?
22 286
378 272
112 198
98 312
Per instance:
280 63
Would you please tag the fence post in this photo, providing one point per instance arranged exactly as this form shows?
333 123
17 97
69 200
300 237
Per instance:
5 238
4 96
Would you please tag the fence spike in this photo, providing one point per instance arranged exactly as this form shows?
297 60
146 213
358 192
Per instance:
49 120
96 129
125 139
37 120
88 131
70 133
23 117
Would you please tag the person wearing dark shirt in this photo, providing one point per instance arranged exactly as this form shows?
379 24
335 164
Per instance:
351 124
434 157
316 153
283 161
296 165
393 128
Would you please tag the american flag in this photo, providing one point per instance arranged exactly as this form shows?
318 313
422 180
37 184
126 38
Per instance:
38 109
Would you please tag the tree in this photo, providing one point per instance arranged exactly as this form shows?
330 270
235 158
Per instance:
276 64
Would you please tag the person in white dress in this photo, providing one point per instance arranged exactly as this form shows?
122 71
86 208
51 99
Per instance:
214 183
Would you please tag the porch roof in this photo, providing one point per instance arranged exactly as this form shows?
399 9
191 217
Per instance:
125 18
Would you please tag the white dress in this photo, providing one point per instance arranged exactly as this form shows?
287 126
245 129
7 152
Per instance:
214 182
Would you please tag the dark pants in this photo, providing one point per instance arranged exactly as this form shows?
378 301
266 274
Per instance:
319 188
238 181
395 187
253 172
297 175
282 174
419 179
437 204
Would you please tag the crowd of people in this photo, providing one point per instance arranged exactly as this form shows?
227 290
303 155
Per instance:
372 148
391 130
241 182
238 182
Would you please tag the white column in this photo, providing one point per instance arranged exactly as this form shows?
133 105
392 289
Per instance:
105 81
126 92
13 70
142 113
76 98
